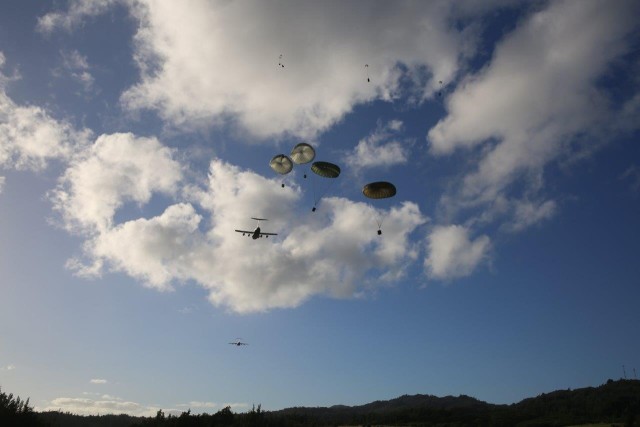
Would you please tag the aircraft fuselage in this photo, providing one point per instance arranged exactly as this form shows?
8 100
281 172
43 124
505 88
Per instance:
256 234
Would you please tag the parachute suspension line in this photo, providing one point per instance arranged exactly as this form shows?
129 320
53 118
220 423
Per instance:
325 191
320 193
379 190
282 165
324 170
302 154
379 218
379 222
315 199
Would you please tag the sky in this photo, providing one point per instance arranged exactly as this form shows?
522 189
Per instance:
136 136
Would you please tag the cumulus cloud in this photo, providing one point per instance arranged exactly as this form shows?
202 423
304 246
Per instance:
117 168
8 368
151 249
536 102
331 252
235 73
30 137
98 381
381 148
452 253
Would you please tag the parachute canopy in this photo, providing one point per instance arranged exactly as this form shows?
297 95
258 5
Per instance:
379 190
325 169
281 164
302 153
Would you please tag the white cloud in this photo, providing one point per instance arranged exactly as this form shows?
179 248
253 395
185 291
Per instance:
30 137
106 404
536 102
98 381
2 180
152 250
78 11
109 397
7 368
452 254
527 213
381 148
331 252
86 406
77 66
117 168
216 61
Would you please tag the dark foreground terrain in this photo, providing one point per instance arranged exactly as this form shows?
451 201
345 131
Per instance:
616 403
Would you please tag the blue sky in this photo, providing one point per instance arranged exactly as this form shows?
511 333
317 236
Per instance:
135 136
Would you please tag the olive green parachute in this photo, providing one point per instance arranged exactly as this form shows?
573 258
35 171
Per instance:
379 190
302 153
325 169
281 164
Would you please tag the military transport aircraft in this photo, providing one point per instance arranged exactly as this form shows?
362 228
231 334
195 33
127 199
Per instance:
256 234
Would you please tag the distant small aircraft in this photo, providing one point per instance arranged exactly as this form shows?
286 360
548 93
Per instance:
256 234
238 343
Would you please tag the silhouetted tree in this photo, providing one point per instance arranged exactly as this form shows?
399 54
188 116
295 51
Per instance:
14 411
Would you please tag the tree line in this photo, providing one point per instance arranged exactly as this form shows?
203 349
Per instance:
616 403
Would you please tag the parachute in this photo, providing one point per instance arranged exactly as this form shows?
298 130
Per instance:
379 190
281 164
303 153
325 170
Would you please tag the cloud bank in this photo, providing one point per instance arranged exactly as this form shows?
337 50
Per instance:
331 253
29 137
538 101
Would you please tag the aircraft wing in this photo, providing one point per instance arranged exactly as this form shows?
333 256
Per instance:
268 234
244 231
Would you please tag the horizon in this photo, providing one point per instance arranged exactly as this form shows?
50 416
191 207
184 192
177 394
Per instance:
135 139
176 412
